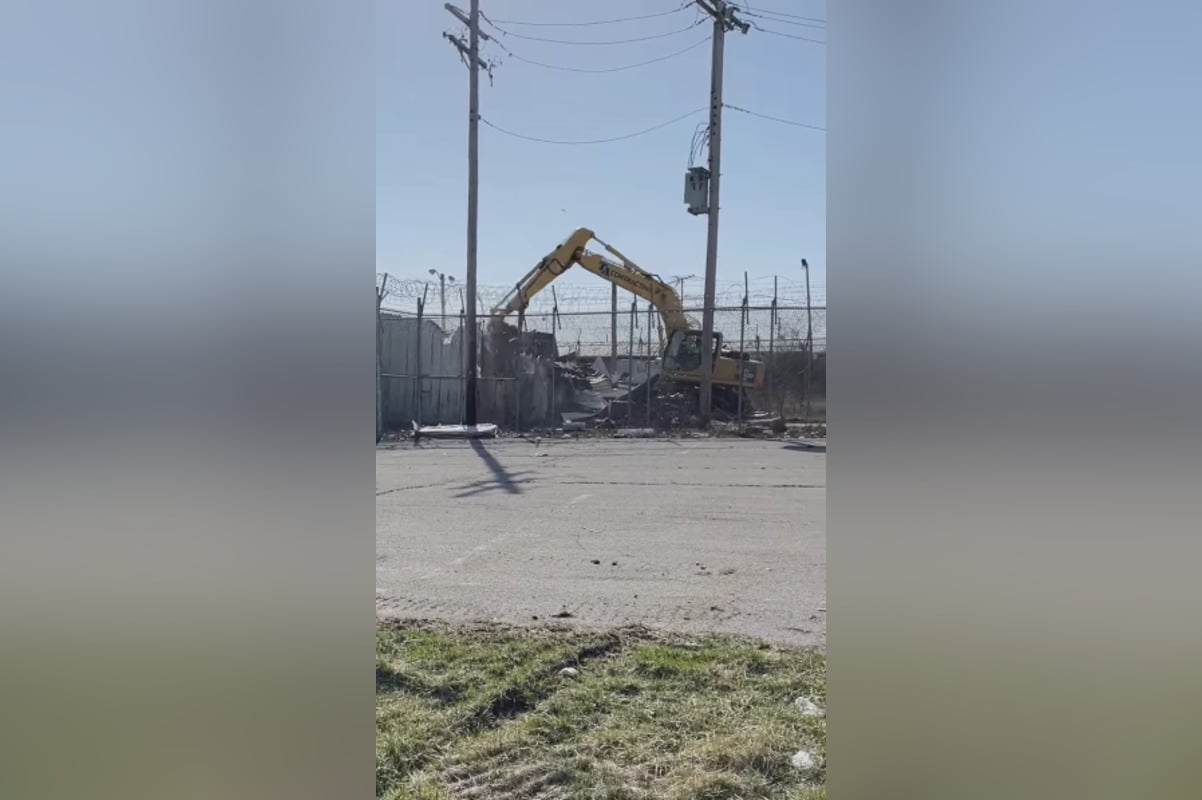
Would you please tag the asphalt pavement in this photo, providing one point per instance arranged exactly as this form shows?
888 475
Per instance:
692 535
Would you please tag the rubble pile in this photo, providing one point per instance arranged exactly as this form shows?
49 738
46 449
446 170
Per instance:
579 393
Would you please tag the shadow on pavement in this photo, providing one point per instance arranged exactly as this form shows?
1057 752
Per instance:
501 479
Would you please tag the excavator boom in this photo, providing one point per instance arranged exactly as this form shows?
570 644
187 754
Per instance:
623 272
679 339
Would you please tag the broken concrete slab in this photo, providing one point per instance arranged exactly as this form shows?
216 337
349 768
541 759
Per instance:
636 433
485 430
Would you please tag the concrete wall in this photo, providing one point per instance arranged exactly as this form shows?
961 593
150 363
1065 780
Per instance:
514 390
404 348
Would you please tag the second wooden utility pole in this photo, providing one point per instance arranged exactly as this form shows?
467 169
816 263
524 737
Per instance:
471 54
473 194
724 20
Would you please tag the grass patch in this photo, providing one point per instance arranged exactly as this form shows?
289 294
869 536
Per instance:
482 712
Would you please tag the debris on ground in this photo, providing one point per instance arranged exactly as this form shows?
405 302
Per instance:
803 760
563 614
569 672
485 430
562 394
636 433
807 430
807 707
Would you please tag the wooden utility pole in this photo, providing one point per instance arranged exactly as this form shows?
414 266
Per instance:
724 20
471 53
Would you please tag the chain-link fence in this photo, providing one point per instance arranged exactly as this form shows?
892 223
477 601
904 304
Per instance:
615 349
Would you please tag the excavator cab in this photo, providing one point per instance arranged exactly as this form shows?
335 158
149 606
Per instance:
682 361
683 353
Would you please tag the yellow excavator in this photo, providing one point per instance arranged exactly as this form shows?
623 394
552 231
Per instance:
680 342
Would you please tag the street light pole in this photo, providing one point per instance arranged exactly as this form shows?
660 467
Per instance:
442 293
679 281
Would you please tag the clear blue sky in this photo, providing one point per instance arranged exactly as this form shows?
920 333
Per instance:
630 192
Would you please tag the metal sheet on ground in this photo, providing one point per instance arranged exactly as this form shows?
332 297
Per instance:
484 431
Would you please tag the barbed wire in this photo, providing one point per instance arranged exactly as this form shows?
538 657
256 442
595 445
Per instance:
589 334
402 294
582 319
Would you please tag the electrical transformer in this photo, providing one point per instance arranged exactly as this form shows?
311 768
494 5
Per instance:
697 190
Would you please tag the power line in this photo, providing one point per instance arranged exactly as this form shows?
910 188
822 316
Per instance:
759 10
762 29
819 26
774 119
622 68
590 44
701 137
594 22
593 141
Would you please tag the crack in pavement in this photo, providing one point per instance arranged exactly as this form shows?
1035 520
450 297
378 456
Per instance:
408 488
701 485
524 481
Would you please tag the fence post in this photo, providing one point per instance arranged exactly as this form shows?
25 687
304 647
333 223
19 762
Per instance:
742 344
555 420
613 326
809 341
768 383
650 358
380 294
516 394
634 310
462 361
417 382
556 327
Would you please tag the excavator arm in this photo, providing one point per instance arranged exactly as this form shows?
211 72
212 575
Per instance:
623 272
679 339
